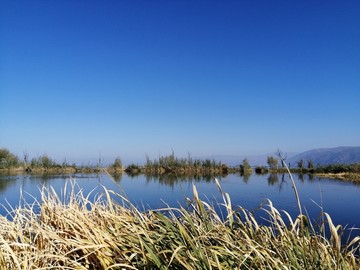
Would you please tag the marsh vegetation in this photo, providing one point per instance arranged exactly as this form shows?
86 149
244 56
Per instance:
172 166
76 230
69 231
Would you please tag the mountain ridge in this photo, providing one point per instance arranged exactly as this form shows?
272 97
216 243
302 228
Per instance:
326 156
319 156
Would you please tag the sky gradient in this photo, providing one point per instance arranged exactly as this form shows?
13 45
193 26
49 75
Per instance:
134 78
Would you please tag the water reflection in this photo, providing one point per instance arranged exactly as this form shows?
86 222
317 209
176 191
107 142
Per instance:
6 181
174 179
246 176
117 177
340 199
273 179
168 179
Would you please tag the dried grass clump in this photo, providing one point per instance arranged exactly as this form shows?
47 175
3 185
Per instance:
74 232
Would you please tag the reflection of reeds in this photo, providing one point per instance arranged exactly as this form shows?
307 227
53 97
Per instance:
72 232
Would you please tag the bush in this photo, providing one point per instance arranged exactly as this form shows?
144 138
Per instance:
133 169
117 164
261 170
245 166
7 159
43 161
272 162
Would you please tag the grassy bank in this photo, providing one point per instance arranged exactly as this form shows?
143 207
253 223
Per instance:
71 232
344 176
11 164
52 170
345 172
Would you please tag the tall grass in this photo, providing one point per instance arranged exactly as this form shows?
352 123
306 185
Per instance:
70 231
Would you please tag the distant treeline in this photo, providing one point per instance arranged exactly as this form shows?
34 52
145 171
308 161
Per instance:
163 165
169 164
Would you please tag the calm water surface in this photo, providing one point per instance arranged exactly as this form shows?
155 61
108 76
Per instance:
340 199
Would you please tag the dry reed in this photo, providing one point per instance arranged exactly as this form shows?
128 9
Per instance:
73 232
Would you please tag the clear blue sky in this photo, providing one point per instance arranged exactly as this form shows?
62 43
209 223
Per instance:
130 78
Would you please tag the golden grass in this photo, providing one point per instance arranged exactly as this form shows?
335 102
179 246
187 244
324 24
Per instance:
72 232
346 176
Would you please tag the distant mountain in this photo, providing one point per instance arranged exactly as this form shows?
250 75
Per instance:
325 156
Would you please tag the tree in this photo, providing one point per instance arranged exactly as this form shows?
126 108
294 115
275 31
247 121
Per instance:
245 166
7 159
26 157
310 165
117 163
272 162
100 161
46 161
300 164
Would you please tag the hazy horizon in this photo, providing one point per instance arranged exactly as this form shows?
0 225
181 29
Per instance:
122 78
231 160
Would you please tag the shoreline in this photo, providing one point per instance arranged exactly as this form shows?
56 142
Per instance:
344 176
59 170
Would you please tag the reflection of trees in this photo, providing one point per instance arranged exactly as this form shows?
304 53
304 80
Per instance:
46 176
246 176
117 177
171 179
273 179
301 177
282 182
42 179
133 174
5 182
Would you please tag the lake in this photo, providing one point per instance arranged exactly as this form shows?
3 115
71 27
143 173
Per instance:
340 199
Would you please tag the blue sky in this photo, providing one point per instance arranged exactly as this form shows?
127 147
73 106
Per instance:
136 78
